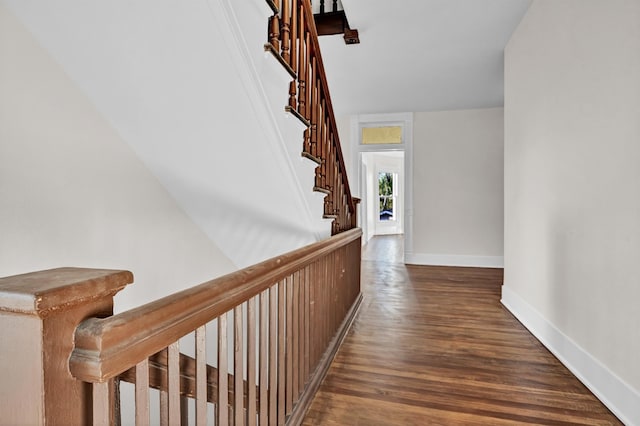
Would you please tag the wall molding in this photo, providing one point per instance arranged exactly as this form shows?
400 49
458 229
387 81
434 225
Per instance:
618 396
453 260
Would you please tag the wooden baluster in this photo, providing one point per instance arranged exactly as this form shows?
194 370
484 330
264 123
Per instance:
274 32
328 172
320 118
321 6
319 311
303 63
337 187
238 367
102 403
285 28
341 207
314 110
312 315
273 354
308 90
292 94
142 392
319 131
293 54
344 207
323 304
289 346
223 369
331 307
335 5
293 33
308 74
296 336
322 144
251 361
173 383
164 407
328 300
307 319
335 294
264 357
281 351
318 304
201 376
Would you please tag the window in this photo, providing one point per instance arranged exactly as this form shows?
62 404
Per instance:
386 191
382 135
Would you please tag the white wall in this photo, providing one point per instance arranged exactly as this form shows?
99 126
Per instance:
72 193
187 85
572 189
458 188
367 203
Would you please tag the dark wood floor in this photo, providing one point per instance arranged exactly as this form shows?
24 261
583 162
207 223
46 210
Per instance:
433 345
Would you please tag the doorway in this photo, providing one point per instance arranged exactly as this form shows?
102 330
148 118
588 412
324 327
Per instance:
378 136
383 192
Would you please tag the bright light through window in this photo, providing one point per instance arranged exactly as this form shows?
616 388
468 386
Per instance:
386 192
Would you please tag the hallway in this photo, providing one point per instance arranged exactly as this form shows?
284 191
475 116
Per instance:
433 345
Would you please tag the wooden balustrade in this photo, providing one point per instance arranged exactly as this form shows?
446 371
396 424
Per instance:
293 39
278 325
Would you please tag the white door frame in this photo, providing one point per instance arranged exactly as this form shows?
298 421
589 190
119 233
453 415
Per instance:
405 120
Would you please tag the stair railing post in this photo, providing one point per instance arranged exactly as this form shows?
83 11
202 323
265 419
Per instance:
39 313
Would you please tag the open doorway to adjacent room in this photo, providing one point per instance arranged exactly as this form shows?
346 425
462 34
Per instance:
382 147
383 192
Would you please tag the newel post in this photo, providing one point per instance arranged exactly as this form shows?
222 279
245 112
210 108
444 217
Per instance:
39 313
354 214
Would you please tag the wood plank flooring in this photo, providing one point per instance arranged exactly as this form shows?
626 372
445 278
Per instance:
434 346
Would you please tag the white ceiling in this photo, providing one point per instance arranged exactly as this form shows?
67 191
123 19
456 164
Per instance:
421 55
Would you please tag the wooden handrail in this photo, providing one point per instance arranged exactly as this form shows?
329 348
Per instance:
283 320
105 347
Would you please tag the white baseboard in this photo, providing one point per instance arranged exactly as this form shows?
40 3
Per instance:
618 396
454 260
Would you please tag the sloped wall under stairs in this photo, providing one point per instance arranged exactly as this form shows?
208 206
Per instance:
135 136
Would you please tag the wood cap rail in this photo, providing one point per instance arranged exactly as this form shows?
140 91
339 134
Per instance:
100 343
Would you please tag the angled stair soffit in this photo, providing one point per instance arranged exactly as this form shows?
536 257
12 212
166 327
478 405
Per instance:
173 90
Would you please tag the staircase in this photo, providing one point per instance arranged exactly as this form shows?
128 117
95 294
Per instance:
293 41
